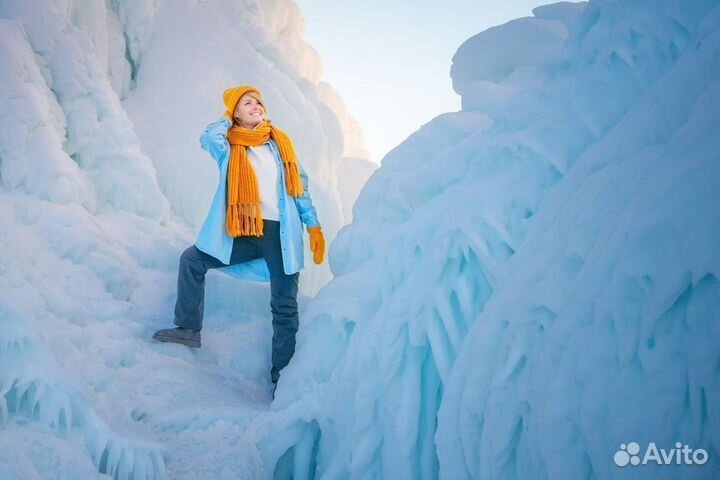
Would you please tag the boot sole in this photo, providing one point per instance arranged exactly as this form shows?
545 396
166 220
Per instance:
188 343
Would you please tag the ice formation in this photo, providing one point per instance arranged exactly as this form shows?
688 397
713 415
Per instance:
103 184
527 284
536 276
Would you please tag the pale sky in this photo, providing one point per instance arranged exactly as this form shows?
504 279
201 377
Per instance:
390 60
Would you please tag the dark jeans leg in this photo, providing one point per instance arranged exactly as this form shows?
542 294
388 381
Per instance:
194 264
283 299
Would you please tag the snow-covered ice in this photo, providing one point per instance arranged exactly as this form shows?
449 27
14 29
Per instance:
103 186
538 271
526 284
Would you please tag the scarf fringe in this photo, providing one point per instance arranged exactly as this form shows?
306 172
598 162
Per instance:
244 220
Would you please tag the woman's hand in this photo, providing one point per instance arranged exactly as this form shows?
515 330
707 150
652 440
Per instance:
233 119
317 244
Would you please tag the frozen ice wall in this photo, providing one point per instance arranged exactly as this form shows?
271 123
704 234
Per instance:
535 278
197 50
168 64
526 284
102 185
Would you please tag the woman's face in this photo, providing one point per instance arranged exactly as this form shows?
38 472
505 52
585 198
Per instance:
249 112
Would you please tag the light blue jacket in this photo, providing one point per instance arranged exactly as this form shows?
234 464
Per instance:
214 240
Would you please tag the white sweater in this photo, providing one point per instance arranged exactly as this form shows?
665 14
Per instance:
262 161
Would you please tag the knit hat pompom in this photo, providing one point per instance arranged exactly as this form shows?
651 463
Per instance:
232 96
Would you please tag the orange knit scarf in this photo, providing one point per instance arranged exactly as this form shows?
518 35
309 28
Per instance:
244 216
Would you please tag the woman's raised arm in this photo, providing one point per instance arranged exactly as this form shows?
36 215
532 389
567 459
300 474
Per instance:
214 139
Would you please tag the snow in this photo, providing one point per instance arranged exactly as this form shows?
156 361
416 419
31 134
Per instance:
526 284
98 201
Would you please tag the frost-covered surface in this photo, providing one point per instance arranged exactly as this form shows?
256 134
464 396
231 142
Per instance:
123 91
535 278
224 43
527 283
102 186
204 47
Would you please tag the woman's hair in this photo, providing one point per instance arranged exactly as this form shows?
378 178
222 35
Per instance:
257 97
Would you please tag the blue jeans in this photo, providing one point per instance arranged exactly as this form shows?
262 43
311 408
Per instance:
194 264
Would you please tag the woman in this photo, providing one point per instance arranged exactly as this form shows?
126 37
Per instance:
254 227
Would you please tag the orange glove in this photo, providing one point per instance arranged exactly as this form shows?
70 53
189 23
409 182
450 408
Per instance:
317 244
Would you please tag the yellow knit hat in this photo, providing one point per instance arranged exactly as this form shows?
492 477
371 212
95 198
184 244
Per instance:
232 96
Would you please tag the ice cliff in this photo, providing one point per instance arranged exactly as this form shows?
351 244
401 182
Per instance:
535 277
527 284
103 184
